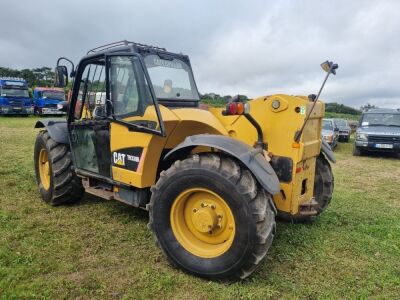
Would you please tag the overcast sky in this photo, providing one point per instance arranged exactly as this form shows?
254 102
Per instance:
236 47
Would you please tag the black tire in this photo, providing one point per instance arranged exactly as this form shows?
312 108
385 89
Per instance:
323 184
65 186
356 151
250 204
323 190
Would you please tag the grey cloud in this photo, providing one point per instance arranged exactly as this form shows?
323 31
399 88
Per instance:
247 47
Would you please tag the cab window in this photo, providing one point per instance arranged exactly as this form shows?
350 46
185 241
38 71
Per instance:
91 96
130 92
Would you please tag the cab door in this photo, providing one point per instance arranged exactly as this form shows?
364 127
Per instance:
137 130
89 125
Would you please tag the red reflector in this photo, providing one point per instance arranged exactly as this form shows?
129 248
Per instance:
232 108
298 169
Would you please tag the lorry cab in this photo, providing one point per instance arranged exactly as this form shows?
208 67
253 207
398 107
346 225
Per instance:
14 97
46 100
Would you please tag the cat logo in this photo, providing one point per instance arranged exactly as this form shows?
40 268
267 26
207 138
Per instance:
127 158
119 158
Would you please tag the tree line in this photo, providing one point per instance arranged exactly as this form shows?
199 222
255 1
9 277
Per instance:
219 100
43 76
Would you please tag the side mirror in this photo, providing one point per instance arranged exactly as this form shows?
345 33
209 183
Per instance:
336 129
63 106
329 67
61 78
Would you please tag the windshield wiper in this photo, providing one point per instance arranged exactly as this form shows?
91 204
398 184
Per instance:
393 125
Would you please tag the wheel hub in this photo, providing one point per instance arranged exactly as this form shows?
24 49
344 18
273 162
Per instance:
202 222
44 169
205 219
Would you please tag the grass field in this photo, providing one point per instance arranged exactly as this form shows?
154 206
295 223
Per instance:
343 116
100 249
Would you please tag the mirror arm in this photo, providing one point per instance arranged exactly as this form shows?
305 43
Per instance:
72 74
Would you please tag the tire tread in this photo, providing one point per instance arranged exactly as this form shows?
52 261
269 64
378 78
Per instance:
259 200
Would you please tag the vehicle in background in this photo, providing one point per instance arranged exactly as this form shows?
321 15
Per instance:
46 99
353 125
330 133
379 130
14 97
344 129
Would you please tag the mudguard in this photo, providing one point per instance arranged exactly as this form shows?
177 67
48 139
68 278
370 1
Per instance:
252 158
326 149
57 129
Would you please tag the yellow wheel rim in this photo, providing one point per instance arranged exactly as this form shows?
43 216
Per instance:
202 222
44 169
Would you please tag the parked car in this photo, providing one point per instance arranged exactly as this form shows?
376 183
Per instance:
379 130
344 130
330 133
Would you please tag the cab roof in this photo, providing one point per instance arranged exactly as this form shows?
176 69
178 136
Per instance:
54 89
13 79
383 110
133 47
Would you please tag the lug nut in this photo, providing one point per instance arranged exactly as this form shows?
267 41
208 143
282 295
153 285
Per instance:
213 206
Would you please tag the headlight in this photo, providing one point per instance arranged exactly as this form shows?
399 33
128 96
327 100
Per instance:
362 137
328 137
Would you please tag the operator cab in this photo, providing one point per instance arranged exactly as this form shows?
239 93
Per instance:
170 74
119 90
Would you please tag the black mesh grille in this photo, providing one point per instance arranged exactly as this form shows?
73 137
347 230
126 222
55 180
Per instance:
384 139
51 106
16 103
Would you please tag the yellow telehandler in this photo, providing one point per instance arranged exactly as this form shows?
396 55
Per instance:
213 179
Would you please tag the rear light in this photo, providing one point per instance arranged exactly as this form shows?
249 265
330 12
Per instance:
240 108
236 108
232 108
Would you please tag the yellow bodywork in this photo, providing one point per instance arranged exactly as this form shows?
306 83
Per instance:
179 123
279 126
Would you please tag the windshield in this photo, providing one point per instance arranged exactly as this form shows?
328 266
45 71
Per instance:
327 125
6 92
340 122
54 95
380 119
171 79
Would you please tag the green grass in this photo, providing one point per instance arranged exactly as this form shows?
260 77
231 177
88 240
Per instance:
342 116
103 249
